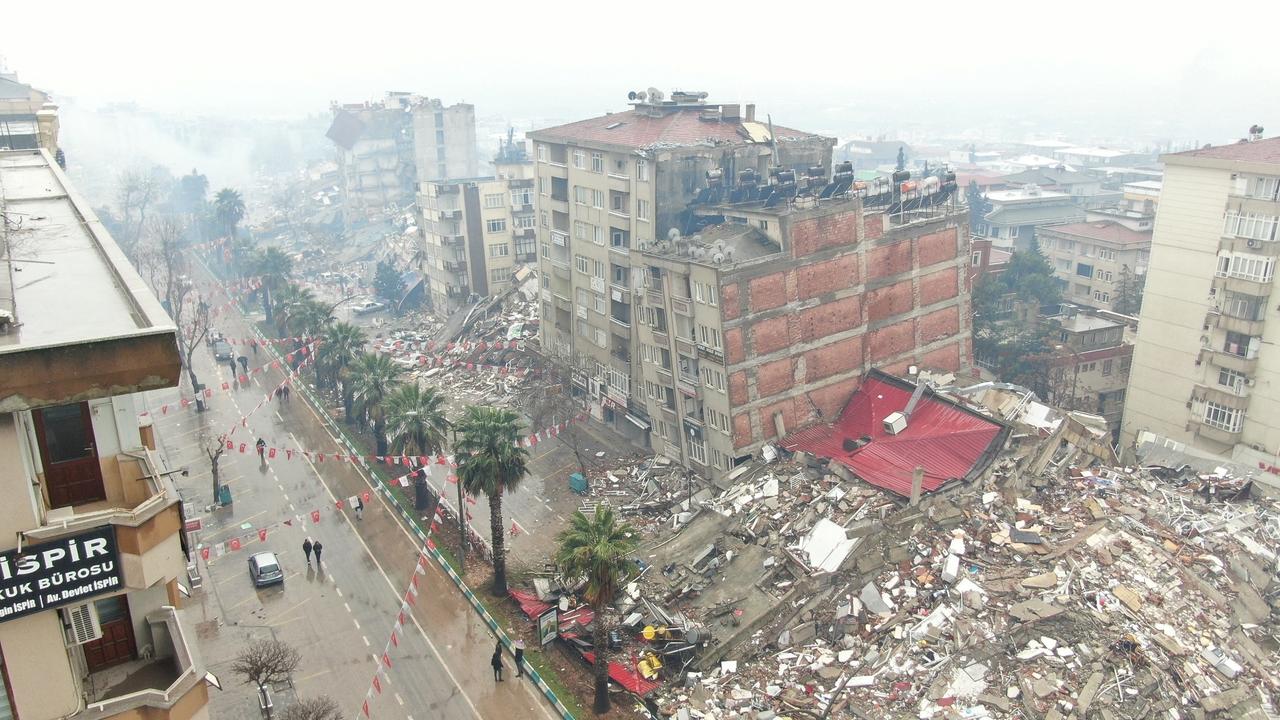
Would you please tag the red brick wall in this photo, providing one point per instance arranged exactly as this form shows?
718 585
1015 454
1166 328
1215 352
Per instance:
770 335
741 430
872 226
827 276
832 317
729 307
944 358
889 260
893 340
888 301
938 286
839 357
832 398
795 413
810 235
775 377
738 388
733 351
767 292
936 247
939 324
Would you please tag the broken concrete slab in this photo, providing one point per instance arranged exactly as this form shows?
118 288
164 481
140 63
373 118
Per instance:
1042 581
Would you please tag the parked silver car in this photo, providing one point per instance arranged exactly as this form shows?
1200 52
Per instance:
264 569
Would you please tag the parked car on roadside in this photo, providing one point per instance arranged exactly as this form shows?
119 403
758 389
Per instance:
222 350
367 307
264 569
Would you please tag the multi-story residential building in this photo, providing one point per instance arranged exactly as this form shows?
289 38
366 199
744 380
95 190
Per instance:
1204 373
1100 263
385 149
1090 157
768 319
1091 364
1017 213
28 117
476 232
91 531
606 185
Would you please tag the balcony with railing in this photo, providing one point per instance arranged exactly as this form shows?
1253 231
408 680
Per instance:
167 685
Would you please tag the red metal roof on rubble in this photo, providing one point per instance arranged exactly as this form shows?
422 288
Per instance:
948 440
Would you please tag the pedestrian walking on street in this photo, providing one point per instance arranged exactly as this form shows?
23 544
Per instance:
496 662
520 658
359 508
254 344
261 445
232 364
316 547
306 549
244 364
286 392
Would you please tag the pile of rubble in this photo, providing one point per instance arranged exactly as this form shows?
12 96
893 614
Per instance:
1112 593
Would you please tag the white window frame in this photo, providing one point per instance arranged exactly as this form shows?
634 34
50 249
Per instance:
579 159
597 162
542 153
495 225
1223 418
581 264
642 169
493 200
642 210
498 250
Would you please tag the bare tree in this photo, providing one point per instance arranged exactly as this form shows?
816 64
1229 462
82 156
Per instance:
266 662
215 452
136 191
321 707
551 402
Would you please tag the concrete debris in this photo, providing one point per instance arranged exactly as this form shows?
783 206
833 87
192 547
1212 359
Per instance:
1078 590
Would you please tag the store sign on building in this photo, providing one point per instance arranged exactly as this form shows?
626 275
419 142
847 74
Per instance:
61 572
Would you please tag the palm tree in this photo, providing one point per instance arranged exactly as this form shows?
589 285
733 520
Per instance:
492 462
274 268
290 300
596 549
229 208
373 378
416 424
343 343
311 318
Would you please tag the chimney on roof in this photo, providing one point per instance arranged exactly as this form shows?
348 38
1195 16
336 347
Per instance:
751 112
730 112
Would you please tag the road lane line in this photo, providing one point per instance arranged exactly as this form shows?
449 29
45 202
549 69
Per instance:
337 590
357 622
366 641
348 607
292 508
398 699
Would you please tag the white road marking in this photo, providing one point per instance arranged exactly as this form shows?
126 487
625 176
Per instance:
398 700
366 641
278 416
292 508
348 607
338 590
357 622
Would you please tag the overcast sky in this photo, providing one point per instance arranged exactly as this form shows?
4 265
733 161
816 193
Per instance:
1198 72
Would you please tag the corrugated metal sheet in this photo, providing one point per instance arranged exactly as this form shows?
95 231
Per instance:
947 440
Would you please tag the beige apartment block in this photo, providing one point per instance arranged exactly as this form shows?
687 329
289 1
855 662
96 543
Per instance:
28 117
1092 260
610 185
1204 371
91 530
477 232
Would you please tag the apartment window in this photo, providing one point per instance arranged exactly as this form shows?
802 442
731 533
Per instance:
498 250
597 199
1250 226
620 381
581 195
597 235
704 293
1258 186
583 329
493 201
1106 254
1222 417
546 253
599 269
651 389
1101 296
1106 367
620 203
1124 365
975 259
580 264
521 197
525 222
601 340
697 450
496 226
597 162
579 230
1084 270
583 297
712 377
1240 345
598 303
642 169
545 221
1013 231
1104 275
579 159
718 420
618 239
542 153
1246 267
1244 307
642 210
620 275
1064 264
764 225
1065 244
542 187
1231 379
1082 290
499 275
709 336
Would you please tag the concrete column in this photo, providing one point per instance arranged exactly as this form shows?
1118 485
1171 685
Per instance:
917 485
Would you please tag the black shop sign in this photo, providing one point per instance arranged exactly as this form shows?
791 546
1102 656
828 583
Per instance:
57 573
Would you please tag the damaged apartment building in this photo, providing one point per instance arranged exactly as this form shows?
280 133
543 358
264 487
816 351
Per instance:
385 148
714 285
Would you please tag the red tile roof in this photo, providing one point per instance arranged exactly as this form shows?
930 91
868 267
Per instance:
946 439
678 128
1259 151
1103 230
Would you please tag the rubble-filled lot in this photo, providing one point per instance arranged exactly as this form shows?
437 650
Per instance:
1110 593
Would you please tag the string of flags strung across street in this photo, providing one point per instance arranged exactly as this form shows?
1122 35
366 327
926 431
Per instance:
243 379
213 551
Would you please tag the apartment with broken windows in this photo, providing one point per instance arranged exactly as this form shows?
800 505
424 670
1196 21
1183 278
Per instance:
92 548
609 185
477 232
1204 372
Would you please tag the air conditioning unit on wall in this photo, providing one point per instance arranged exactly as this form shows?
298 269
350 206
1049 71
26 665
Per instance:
81 624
